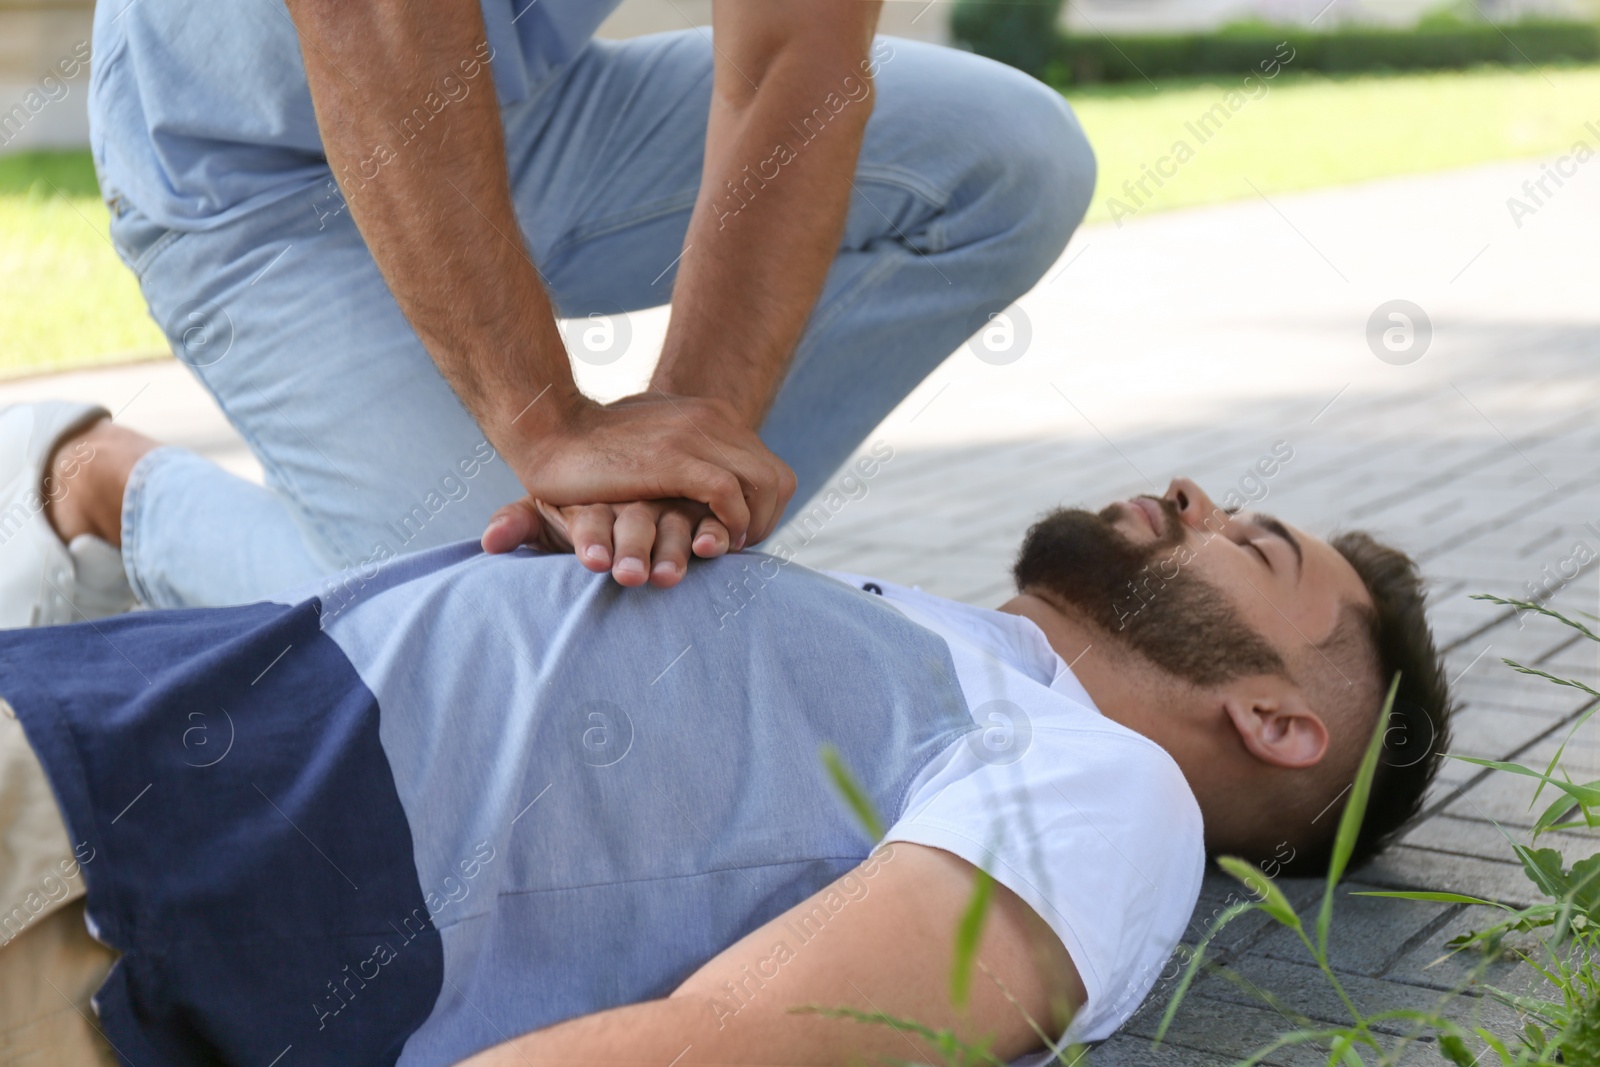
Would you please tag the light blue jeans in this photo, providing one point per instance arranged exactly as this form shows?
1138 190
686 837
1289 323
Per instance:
971 179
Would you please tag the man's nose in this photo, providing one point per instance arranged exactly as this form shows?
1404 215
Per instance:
1194 507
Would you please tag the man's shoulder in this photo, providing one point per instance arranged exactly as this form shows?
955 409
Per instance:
1132 776
1103 740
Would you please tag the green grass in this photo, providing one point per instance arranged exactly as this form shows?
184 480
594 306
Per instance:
65 297
1309 130
66 300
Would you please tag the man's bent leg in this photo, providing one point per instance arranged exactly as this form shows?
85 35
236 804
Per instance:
284 317
243 543
971 179
133 493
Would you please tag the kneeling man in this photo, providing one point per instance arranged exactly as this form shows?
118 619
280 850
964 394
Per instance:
502 808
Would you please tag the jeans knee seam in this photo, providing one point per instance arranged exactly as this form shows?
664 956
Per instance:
902 180
881 266
142 263
618 223
906 181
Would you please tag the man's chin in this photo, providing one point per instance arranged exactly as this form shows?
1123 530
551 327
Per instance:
1084 559
1168 615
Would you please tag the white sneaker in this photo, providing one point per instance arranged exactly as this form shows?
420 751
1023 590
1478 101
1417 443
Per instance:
42 581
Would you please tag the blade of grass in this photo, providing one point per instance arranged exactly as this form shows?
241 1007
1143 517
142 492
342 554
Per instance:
1269 898
1291 1039
1343 1052
1528 605
945 1040
1290 1014
1561 749
855 796
1232 912
1495 1043
1455 1050
1441 898
1587 795
1060 1055
1355 809
1551 817
968 933
1535 672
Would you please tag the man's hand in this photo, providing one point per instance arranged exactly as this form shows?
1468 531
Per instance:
650 447
646 540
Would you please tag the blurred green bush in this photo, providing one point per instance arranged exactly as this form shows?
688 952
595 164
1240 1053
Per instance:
1021 32
1024 34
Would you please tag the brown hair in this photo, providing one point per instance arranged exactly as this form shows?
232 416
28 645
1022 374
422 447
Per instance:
1418 730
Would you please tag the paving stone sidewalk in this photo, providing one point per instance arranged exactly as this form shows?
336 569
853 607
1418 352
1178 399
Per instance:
1479 459
1479 514
1192 343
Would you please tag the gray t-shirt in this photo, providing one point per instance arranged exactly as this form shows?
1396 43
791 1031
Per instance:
462 797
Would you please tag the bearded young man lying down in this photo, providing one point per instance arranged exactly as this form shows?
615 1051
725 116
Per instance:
500 809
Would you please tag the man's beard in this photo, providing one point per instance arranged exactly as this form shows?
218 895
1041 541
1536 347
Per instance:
1142 595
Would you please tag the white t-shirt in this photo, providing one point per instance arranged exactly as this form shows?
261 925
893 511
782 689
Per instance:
1089 822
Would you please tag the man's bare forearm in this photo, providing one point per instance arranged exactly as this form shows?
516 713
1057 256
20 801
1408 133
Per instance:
785 131
886 948
411 126
677 1030
409 119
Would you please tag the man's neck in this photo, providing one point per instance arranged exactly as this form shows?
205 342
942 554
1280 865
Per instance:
1139 696
1110 674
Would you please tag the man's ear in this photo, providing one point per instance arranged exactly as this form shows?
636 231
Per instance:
1275 721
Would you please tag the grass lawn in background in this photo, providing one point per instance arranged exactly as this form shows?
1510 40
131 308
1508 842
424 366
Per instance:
66 300
1305 131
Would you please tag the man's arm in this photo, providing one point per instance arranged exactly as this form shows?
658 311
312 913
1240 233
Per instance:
879 940
792 92
437 214
791 97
